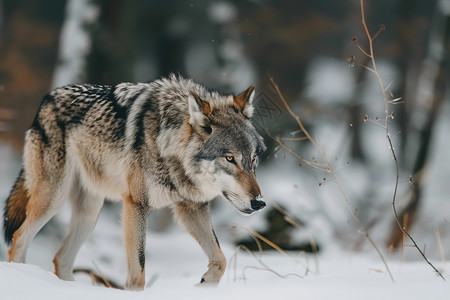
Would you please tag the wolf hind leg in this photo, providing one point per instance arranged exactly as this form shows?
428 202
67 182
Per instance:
43 204
196 218
43 180
85 210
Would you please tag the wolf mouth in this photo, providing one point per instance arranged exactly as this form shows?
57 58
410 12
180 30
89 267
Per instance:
230 196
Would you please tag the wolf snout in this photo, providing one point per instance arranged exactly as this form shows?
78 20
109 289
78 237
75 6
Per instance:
257 204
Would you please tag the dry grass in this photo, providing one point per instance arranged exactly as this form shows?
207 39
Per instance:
258 238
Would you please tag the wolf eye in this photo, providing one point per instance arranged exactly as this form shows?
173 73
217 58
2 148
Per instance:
230 159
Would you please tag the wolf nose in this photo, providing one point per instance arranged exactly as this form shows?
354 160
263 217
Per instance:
257 204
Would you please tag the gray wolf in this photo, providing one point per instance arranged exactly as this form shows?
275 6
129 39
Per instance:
170 142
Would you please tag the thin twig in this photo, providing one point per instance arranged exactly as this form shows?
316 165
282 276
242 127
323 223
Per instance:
388 137
355 40
294 222
99 279
377 123
311 164
265 267
270 243
382 28
295 139
327 169
439 242
389 84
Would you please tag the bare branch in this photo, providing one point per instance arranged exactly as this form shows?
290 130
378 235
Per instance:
294 222
382 28
355 40
99 278
388 137
327 169
297 139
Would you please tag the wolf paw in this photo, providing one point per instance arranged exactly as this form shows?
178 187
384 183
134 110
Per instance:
207 284
213 275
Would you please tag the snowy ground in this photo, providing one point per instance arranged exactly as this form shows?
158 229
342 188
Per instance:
175 264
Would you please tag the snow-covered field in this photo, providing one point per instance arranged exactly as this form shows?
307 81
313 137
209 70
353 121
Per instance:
175 264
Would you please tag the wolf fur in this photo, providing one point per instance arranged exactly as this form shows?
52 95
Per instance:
165 143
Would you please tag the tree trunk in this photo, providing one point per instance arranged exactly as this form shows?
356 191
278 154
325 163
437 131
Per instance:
28 51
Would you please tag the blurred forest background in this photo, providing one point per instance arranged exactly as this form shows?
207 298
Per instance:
303 45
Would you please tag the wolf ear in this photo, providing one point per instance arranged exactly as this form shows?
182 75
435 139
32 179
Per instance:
199 110
244 101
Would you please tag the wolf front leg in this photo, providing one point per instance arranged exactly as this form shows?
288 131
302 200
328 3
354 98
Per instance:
135 215
196 218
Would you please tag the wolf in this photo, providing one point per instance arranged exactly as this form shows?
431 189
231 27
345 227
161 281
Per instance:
170 142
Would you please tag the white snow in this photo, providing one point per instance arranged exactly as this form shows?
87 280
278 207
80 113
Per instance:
177 264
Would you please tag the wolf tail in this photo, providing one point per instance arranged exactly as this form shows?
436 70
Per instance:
15 208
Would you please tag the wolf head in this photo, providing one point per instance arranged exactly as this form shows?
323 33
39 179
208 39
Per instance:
230 147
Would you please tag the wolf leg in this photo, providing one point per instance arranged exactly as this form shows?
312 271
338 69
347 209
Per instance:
44 181
135 215
196 218
43 204
85 210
